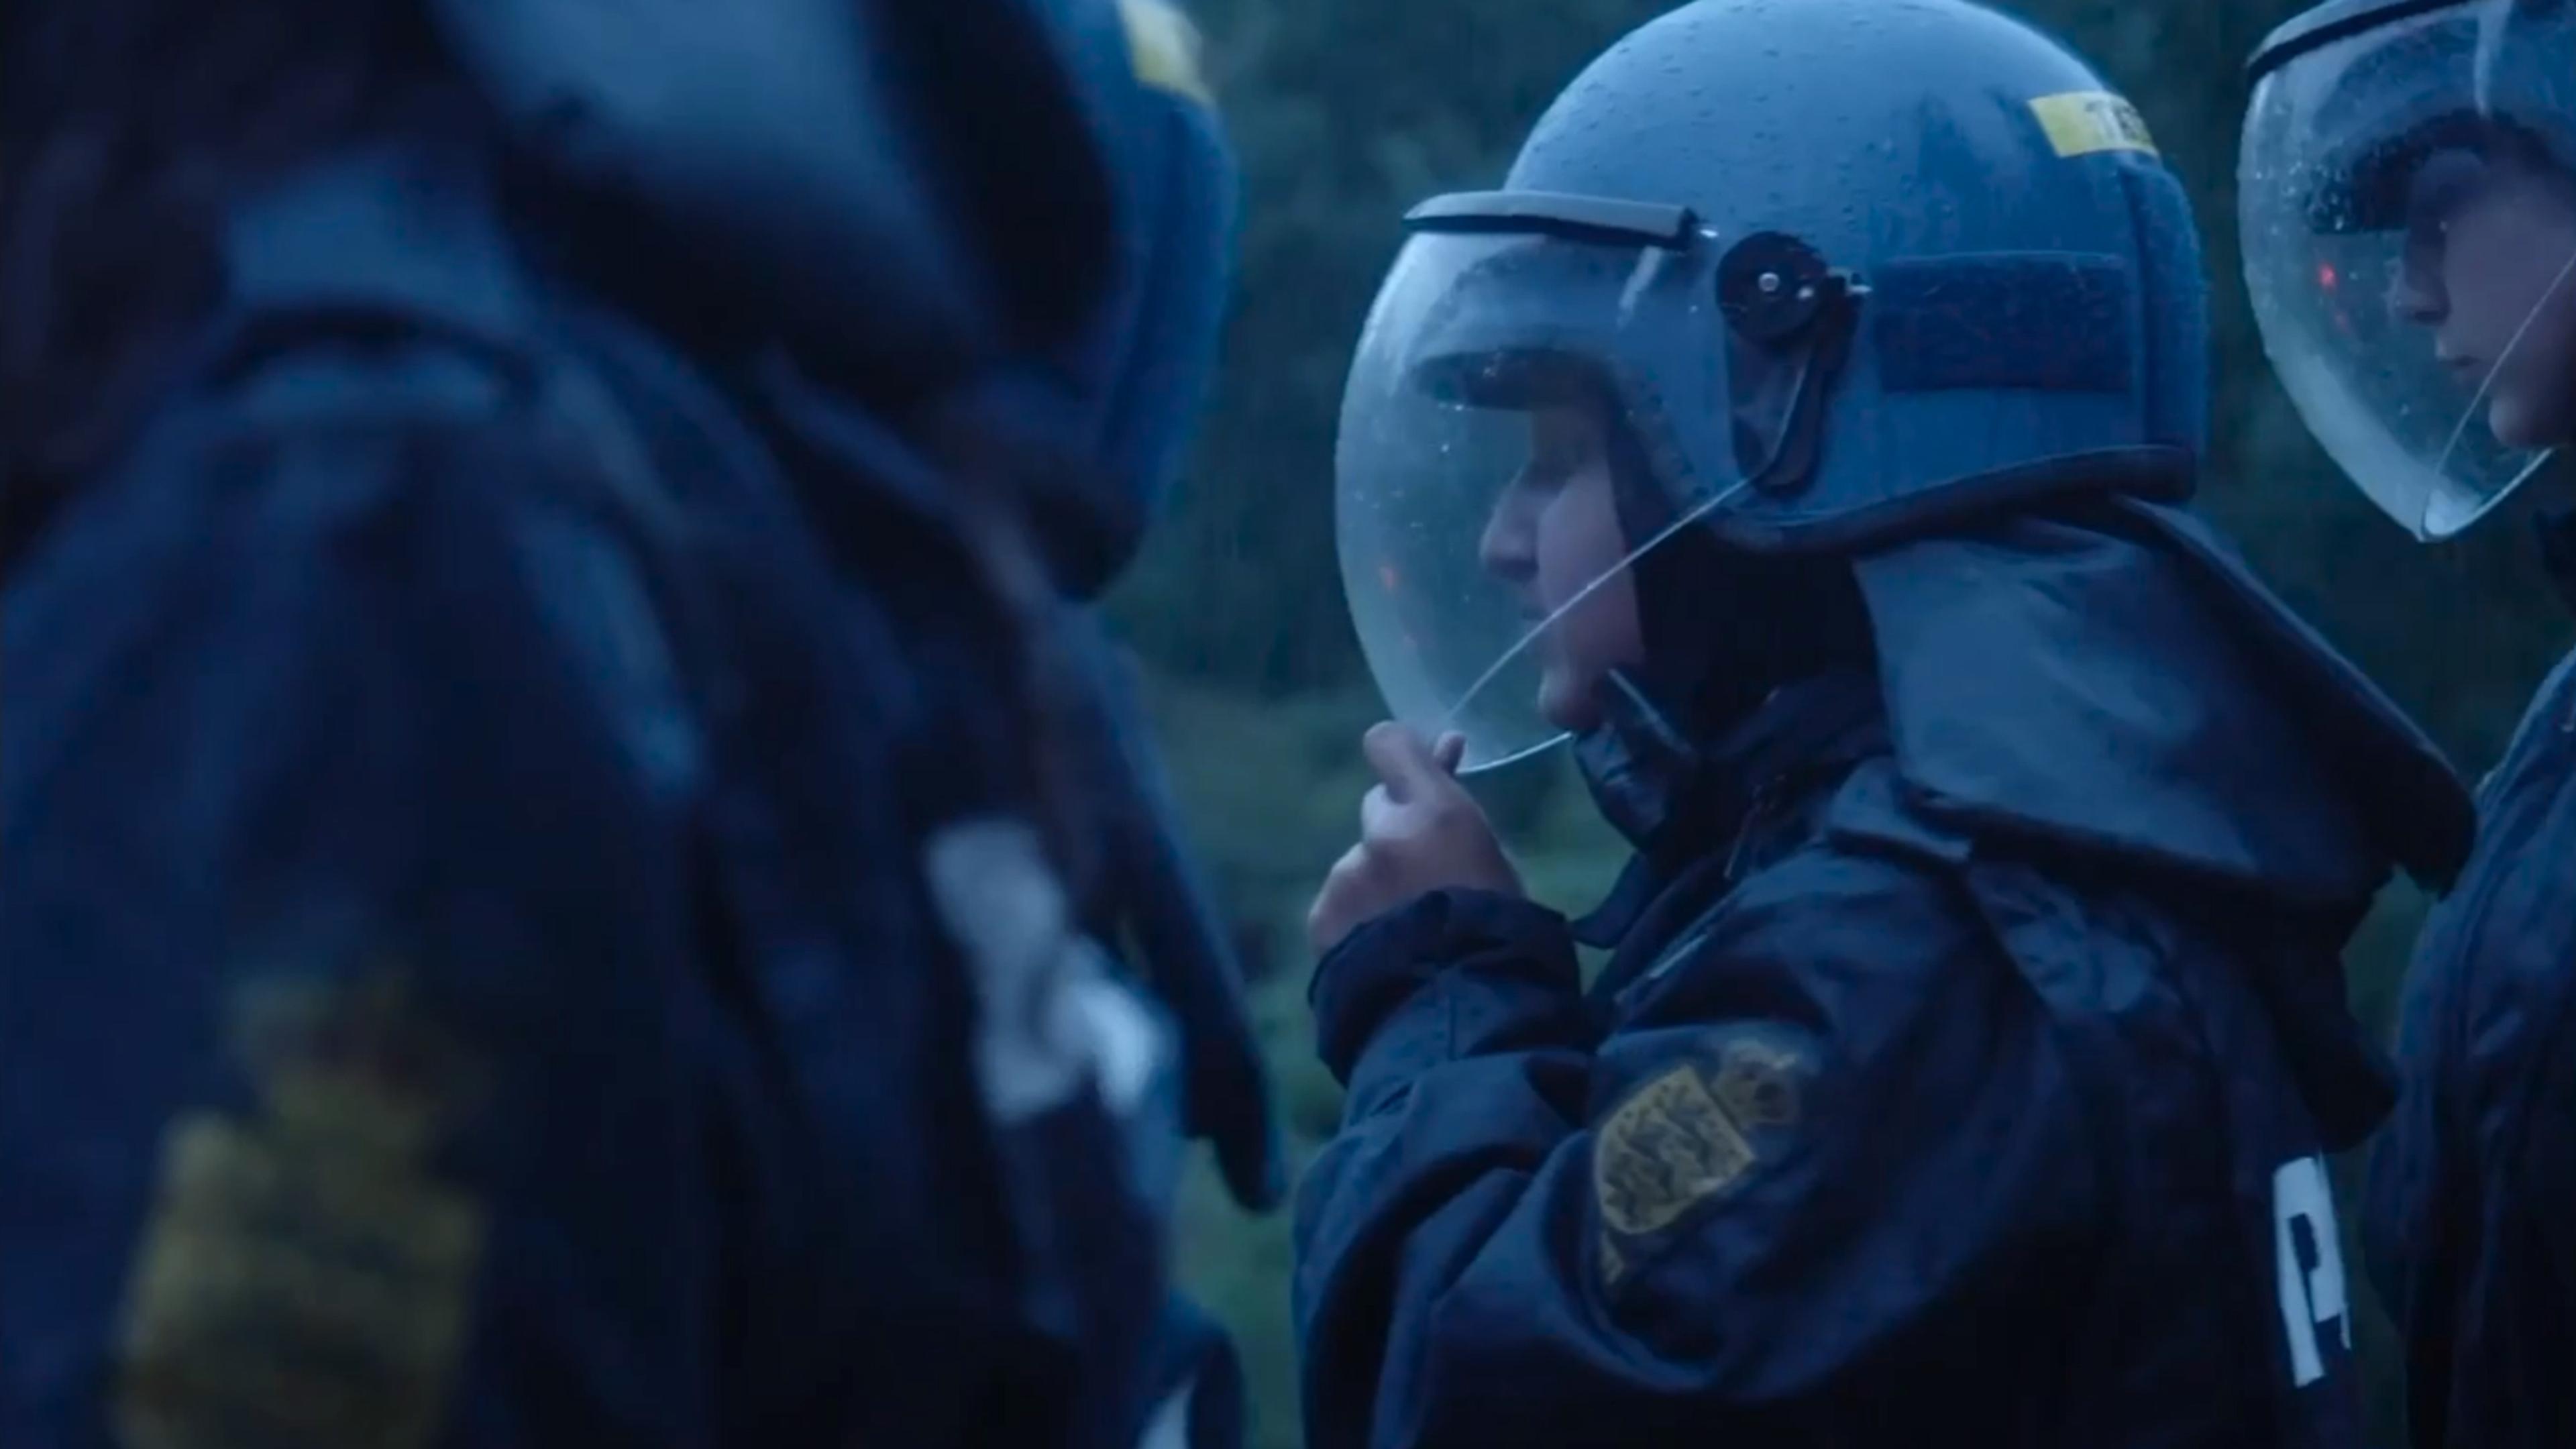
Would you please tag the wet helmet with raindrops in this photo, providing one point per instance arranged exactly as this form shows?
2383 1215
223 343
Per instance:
1837 270
2377 129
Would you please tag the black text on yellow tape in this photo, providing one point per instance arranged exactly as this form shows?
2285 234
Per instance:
2082 123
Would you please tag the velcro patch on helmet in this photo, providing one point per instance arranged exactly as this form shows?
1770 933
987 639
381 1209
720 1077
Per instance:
2037 321
2081 123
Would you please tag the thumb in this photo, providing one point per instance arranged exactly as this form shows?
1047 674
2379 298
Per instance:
1402 761
1450 752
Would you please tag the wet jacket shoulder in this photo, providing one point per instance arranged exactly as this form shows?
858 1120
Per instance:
1549 1220
2468 1236
1989 1086
1882 1136
463 876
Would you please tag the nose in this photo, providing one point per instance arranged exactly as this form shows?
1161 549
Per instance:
1509 547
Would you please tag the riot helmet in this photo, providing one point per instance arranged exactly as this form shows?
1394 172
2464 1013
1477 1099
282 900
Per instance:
1015 215
1788 278
842 170
2408 194
1137 372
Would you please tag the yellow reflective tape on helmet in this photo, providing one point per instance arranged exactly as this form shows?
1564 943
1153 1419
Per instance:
2080 123
1164 47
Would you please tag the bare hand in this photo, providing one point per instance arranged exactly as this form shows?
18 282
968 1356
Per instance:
1420 831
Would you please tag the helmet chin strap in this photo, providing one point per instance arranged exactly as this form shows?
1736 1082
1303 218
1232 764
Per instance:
1673 794
1647 759
1724 631
1641 768
1704 671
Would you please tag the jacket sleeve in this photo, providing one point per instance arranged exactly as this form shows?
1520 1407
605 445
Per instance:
1824 1143
343 1104
2414 1194
2464 1216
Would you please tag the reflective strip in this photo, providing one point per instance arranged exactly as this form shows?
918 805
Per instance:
1053 1020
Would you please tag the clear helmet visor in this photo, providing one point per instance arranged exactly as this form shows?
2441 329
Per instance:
1506 395
2410 251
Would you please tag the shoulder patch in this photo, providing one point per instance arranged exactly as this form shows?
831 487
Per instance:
304 1279
2080 123
1686 1138
1166 50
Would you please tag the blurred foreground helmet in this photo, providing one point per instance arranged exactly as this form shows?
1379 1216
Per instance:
1020 209
1835 269
2390 143
1138 371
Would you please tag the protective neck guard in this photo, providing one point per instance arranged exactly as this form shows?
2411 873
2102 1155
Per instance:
2115 682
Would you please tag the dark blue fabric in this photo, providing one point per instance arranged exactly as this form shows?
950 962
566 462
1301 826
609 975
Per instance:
2113 679
2465 1219
1155 897
460 696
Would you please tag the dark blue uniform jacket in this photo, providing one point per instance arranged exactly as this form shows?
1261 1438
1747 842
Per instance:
1970 1082
2470 1218
523 920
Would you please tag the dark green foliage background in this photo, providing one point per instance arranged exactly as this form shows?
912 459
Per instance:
1345 112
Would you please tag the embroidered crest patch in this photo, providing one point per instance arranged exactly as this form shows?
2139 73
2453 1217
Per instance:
1685 1138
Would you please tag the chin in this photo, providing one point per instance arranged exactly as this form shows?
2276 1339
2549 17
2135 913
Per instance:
2520 416
1566 704
2517 425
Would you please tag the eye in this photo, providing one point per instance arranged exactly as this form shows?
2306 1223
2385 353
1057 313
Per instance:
1550 466
2443 186
1560 447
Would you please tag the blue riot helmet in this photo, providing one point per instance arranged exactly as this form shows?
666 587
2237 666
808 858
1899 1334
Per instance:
1012 214
1820 314
2408 196
1136 374
903 188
